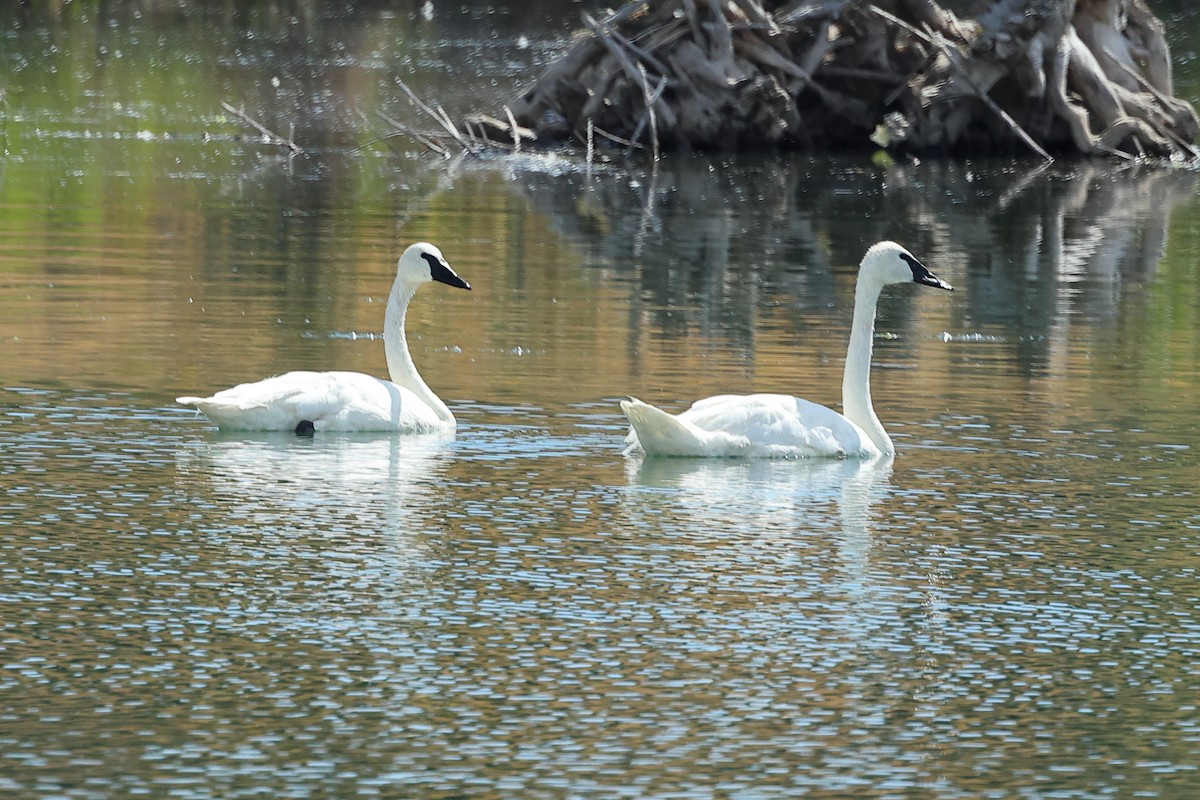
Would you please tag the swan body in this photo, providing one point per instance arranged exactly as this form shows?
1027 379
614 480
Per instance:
781 426
747 426
305 402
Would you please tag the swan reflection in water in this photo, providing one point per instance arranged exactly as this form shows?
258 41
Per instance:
807 522
358 508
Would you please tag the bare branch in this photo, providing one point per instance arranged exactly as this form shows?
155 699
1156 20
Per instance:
271 136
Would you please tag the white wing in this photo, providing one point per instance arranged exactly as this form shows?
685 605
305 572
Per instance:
755 426
779 421
337 401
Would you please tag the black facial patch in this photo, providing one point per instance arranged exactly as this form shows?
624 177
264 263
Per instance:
919 270
441 272
434 262
922 275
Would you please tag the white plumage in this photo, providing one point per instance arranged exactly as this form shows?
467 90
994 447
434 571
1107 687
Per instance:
781 426
348 401
750 426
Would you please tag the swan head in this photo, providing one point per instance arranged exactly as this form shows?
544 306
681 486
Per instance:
423 262
888 262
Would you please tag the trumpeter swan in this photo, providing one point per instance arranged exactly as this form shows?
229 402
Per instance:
305 402
782 426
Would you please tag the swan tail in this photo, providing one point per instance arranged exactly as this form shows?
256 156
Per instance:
235 417
661 434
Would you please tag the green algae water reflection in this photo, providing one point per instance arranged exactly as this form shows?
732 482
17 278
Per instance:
1006 610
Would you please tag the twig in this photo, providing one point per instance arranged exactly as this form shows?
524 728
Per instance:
1145 84
1015 191
757 16
449 125
1112 151
591 144
902 85
599 92
812 59
803 9
657 40
651 221
478 125
392 135
613 46
766 56
722 35
420 137
769 57
612 137
273 137
642 54
628 11
512 124
650 99
689 10
445 123
637 72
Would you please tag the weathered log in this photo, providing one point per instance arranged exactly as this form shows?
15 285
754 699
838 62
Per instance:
1091 77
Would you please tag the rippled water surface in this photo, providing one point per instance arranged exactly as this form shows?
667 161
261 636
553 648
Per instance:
1009 609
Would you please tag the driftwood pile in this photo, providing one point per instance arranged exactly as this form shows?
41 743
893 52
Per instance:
1089 77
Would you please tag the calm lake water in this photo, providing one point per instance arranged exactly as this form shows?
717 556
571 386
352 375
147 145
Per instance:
1009 609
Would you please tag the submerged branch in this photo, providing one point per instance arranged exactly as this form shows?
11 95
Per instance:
269 135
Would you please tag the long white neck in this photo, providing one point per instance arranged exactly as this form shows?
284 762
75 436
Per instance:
401 368
856 380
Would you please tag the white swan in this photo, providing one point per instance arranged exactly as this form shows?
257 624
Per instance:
348 401
781 426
